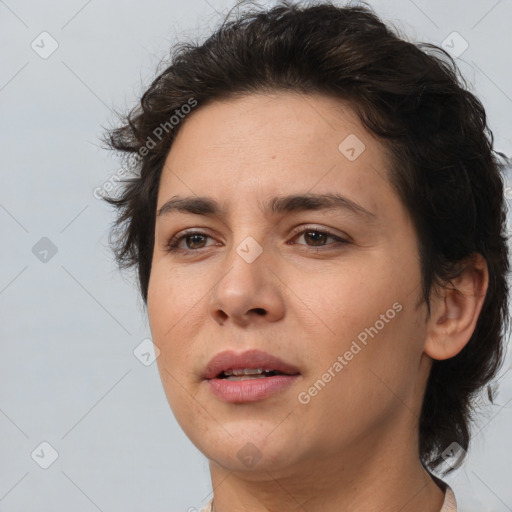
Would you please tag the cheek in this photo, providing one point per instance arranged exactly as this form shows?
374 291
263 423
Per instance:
165 309
173 298
367 318
345 302
176 312
372 382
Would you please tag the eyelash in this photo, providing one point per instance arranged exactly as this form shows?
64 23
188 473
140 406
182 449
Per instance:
172 246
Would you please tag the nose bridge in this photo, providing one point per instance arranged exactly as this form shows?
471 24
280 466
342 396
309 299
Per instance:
246 256
246 273
247 286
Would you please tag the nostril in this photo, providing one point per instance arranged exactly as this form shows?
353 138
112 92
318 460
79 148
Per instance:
260 311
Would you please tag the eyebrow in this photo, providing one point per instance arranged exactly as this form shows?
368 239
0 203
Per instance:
277 205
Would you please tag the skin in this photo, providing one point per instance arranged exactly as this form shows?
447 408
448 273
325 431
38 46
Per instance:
304 299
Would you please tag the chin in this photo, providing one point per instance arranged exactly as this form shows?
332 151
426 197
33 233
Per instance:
248 449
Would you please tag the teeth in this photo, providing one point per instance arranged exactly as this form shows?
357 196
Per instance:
245 371
247 377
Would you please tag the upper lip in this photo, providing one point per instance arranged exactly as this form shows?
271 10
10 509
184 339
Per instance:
229 360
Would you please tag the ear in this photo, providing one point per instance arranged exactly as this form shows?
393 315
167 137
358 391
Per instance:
455 310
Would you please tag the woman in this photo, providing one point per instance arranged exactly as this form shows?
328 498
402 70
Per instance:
316 217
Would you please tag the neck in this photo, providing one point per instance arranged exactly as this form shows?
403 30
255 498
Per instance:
371 476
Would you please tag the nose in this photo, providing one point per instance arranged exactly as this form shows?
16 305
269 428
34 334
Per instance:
247 292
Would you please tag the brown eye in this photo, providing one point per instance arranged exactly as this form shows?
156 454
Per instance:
316 237
193 241
319 238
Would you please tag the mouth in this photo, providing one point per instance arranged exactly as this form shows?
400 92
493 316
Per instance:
251 364
248 376
248 373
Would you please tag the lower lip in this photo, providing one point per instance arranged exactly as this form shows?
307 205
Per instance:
250 390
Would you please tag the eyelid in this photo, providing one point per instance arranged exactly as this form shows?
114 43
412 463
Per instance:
321 229
172 245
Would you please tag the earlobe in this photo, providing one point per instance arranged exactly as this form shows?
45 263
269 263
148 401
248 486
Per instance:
455 310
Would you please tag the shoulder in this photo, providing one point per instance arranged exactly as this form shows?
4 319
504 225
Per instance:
209 507
449 503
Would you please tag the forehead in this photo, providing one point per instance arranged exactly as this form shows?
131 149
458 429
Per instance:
269 144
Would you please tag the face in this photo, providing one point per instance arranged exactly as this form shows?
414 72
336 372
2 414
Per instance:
279 232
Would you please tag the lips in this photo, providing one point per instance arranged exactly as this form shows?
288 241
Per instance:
251 376
235 363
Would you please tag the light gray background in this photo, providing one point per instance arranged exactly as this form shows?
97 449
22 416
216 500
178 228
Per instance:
69 326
